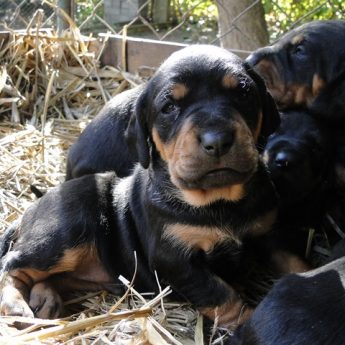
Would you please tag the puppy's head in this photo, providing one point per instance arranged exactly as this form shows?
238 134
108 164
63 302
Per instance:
200 118
302 63
298 155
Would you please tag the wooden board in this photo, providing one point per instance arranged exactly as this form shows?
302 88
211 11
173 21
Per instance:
141 54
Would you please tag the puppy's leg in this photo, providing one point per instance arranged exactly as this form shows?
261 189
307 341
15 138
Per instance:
28 291
14 296
211 295
25 293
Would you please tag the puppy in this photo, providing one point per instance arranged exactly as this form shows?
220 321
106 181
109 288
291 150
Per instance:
305 68
299 157
301 309
105 144
199 193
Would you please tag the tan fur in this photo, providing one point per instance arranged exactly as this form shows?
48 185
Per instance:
79 260
258 128
231 313
272 78
179 91
165 151
202 197
297 39
81 266
317 85
199 237
301 93
229 81
290 263
185 156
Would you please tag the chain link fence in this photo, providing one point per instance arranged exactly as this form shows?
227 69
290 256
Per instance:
173 20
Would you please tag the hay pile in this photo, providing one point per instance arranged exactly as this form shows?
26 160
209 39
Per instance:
54 84
50 88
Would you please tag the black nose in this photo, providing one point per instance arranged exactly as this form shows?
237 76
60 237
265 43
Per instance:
282 160
216 143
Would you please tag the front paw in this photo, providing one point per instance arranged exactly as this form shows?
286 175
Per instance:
229 315
45 301
13 303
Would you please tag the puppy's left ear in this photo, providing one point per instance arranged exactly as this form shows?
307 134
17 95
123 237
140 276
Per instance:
270 114
141 129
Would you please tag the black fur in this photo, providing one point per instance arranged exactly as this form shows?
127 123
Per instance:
107 144
300 157
301 309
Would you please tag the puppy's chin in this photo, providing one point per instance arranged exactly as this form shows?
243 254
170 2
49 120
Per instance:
220 184
218 178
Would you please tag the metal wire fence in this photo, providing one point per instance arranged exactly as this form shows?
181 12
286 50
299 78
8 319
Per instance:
174 20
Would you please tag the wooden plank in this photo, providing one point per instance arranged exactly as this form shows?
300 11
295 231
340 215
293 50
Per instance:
141 54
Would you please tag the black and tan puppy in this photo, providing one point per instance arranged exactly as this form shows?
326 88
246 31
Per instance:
199 193
105 144
301 309
305 68
299 157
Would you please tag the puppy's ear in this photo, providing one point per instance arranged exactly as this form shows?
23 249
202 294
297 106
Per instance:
140 125
130 134
270 114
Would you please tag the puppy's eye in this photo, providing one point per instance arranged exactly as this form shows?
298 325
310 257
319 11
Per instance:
299 50
168 108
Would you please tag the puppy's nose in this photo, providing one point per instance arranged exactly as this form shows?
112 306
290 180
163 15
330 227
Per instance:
216 143
282 160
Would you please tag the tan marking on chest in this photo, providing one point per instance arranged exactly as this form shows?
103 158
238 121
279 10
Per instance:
205 238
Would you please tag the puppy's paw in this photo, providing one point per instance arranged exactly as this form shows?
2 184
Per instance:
13 303
45 302
229 315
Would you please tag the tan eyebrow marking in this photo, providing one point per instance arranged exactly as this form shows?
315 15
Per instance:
297 39
178 91
229 81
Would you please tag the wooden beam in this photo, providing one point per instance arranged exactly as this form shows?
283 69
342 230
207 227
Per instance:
141 54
